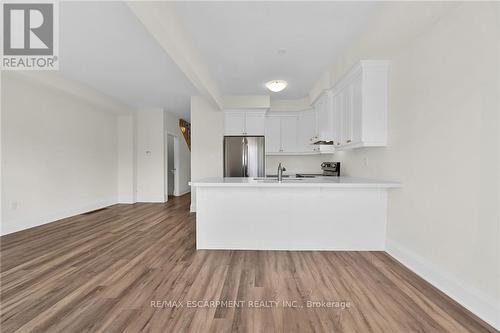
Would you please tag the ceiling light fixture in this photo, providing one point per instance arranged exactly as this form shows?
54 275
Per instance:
276 85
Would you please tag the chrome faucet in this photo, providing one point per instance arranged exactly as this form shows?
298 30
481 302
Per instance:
280 172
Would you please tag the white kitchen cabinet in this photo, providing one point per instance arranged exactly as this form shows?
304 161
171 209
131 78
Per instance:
281 134
234 123
352 114
248 122
288 134
306 129
347 102
337 118
346 115
255 123
359 107
324 149
323 107
356 110
273 134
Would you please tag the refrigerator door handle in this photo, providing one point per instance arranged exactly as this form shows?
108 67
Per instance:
245 156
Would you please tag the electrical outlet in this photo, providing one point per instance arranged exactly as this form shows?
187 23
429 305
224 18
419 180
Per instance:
13 205
366 161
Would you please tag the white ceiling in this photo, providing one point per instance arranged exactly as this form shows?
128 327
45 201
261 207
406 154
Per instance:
105 46
240 40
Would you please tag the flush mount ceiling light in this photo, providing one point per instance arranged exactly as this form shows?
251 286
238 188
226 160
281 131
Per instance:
276 85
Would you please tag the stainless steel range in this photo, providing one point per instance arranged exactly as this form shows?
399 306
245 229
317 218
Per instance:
330 169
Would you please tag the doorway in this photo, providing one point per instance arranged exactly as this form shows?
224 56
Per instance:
171 165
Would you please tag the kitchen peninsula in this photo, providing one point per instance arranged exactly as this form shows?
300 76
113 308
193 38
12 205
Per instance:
334 213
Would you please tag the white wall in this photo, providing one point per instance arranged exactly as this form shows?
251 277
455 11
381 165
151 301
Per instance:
59 154
297 164
1 184
443 146
142 157
184 169
127 186
246 101
207 130
150 155
68 149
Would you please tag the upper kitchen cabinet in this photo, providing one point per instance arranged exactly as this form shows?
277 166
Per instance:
234 123
289 134
273 134
281 134
306 129
248 122
359 107
323 107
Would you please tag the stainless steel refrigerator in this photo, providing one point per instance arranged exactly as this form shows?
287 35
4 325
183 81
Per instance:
244 156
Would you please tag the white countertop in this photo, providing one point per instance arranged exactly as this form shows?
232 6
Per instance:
335 182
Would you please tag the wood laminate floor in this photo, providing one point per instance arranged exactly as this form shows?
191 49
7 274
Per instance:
100 272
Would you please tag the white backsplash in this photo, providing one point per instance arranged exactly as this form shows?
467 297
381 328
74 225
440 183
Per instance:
297 164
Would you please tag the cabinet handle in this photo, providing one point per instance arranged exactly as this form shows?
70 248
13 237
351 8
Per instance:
349 141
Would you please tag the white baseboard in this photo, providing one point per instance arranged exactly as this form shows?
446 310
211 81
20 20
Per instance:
185 191
482 305
22 224
126 200
151 200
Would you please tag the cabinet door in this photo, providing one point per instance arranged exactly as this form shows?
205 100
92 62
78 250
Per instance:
356 109
337 119
322 116
346 114
234 123
255 123
306 129
273 134
325 115
289 134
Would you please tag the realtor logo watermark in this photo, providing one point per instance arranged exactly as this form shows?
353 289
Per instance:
30 36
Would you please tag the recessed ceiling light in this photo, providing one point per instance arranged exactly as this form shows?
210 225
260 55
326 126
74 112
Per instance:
276 85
